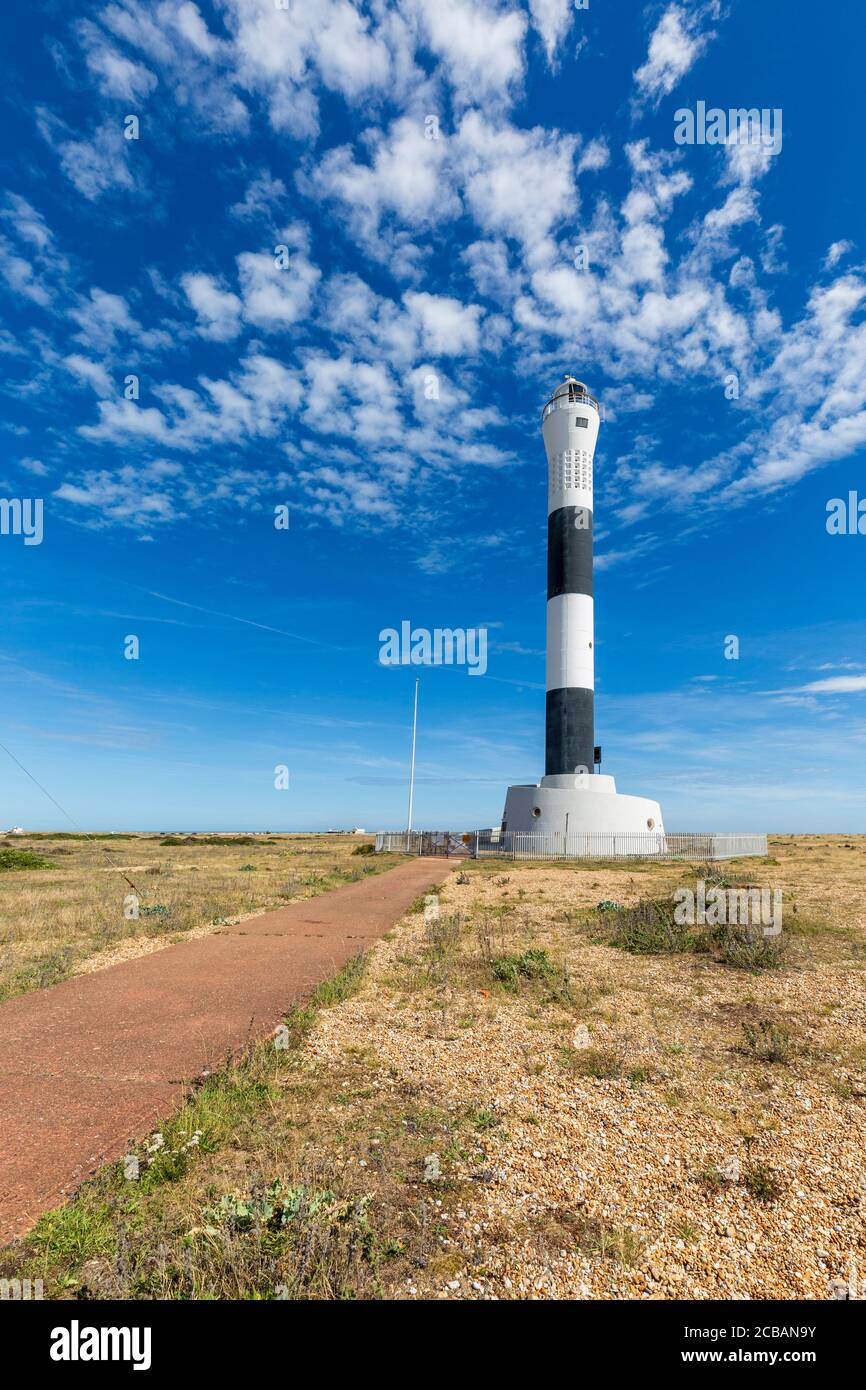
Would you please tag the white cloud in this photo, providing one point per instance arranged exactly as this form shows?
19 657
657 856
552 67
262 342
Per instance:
518 183
95 166
491 270
29 224
552 19
104 318
256 401
125 422
194 66
626 400
281 56
595 156
188 22
276 289
839 665
251 403
137 496
218 310
447 327
747 159
116 75
94 373
274 48
263 194
675 44
826 348
21 276
491 203
340 494
479 44
833 685
34 268
370 324
407 180
350 59
835 252
274 298
369 395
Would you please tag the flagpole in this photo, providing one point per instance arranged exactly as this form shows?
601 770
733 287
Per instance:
412 767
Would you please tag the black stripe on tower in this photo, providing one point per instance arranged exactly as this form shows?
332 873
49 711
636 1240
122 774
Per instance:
569 551
570 713
569 725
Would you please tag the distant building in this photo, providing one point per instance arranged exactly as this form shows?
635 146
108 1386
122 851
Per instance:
16 830
359 830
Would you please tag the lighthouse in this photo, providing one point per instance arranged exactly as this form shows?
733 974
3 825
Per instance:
571 796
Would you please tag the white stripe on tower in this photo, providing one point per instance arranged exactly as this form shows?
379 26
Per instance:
569 642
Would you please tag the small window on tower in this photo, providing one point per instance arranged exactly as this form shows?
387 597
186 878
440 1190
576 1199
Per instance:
581 422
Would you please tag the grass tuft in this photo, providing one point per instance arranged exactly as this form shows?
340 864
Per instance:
762 1183
767 1041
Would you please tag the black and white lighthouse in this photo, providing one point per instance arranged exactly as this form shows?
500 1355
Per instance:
572 796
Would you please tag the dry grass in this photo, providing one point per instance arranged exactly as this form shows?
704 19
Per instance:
59 920
593 1122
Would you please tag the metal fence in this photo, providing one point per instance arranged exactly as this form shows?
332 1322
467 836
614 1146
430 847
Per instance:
443 843
591 844
602 844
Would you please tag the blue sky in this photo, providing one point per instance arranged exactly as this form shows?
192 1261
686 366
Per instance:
409 258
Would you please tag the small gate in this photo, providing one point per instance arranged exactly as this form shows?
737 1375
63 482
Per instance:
442 844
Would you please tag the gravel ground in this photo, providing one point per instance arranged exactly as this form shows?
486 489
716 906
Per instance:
688 1167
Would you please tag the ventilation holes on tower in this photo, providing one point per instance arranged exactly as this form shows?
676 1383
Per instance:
572 469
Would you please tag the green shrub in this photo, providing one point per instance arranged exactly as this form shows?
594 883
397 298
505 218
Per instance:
534 964
14 859
209 840
649 929
271 1207
745 948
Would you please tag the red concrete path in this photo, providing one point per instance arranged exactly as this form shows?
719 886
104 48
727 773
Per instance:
93 1062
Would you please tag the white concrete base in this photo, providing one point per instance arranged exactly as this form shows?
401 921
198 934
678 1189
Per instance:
585 801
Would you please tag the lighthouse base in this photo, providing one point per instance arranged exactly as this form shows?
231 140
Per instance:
578 802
